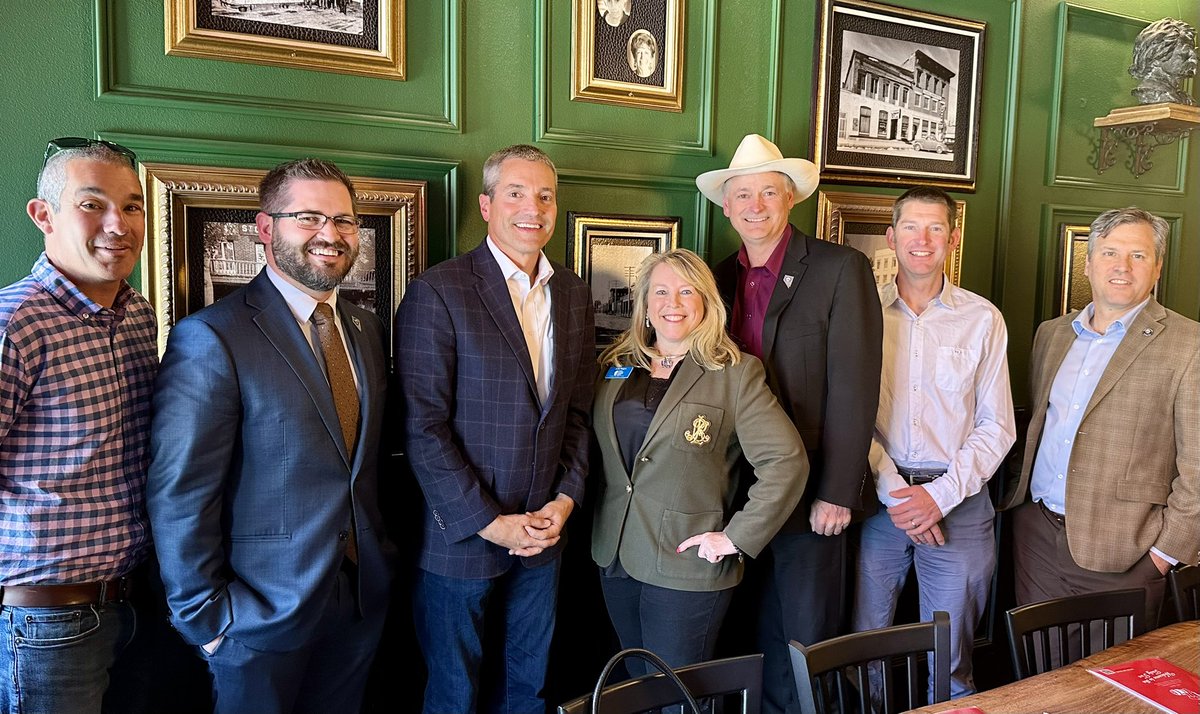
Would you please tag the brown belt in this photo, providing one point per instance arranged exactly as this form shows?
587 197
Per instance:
97 593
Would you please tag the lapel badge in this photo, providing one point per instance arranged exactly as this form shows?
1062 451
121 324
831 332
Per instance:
1147 332
357 324
787 280
698 434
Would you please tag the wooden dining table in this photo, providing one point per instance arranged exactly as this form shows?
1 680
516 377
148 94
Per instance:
1073 690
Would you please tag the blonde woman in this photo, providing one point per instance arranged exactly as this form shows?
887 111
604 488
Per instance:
676 407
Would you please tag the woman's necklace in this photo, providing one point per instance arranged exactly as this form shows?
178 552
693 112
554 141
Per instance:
668 361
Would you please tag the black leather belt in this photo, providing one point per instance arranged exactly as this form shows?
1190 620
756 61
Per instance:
1062 519
97 593
916 477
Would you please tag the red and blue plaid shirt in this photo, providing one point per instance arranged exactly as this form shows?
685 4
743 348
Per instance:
75 384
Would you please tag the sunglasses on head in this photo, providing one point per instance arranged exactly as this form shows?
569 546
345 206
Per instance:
78 142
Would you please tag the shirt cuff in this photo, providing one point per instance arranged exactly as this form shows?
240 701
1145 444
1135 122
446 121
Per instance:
944 493
885 483
1164 556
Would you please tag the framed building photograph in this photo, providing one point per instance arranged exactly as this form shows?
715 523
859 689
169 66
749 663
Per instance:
364 37
202 243
628 52
606 250
897 96
861 220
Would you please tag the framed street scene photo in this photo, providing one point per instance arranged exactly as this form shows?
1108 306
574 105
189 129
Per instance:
202 243
364 37
628 52
606 250
861 220
897 97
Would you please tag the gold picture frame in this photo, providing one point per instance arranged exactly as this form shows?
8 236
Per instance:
605 66
860 220
199 244
318 35
605 250
1075 289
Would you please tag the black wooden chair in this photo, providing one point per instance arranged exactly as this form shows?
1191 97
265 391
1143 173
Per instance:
733 685
838 670
1047 635
1185 591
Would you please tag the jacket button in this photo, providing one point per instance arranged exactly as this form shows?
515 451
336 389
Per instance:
343 535
644 459
628 488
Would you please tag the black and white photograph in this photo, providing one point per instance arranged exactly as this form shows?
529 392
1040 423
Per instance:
606 250
861 220
898 96
344 16
628 52
363 37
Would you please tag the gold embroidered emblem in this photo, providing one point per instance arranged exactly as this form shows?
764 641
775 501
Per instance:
698 434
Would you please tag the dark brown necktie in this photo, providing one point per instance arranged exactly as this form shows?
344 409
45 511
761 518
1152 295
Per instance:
345 396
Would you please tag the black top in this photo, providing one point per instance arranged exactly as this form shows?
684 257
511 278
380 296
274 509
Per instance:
634 409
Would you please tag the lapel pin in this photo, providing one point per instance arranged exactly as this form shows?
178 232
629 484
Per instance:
787 280
357 324
1147 332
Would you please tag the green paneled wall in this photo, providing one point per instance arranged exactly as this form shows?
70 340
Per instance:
485 74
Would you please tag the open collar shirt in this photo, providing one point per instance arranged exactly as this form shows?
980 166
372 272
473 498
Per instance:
754 289
75 385
945 400
531 301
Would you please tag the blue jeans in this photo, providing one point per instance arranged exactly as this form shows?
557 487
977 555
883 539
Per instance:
55 660
450 616
954 577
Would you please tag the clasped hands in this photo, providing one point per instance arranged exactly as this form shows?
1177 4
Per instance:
919 517
527 534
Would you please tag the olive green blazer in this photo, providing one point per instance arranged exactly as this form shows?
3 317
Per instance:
681 484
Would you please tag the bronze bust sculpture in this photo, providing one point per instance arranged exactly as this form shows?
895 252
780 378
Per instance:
1164 54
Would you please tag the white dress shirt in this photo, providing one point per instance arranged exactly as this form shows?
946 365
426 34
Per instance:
944 399
531 301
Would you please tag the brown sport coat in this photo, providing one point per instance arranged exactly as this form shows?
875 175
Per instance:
1134 480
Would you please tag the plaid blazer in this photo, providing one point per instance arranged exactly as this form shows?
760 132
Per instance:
1134 478
480 442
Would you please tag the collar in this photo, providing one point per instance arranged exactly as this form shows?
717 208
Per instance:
299 302
774 264
1083 321
71 297
947 298
510 270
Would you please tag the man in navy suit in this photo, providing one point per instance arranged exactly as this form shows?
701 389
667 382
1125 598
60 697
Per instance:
262 490
495 358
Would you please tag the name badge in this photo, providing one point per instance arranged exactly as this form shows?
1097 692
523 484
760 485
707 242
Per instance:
618 373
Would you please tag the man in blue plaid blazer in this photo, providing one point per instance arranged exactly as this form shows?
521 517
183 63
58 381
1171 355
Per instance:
494 354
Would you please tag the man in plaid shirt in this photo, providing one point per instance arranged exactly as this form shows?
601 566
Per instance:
77 362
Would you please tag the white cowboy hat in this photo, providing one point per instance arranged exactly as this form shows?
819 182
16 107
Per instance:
756 155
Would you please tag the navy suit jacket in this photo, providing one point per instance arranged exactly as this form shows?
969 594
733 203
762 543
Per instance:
823 349
480 442
251 489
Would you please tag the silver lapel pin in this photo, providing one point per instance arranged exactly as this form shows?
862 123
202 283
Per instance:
1147 332
357 324
787 280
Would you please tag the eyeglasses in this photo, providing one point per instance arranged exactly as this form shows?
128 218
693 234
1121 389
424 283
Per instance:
77 142
315 221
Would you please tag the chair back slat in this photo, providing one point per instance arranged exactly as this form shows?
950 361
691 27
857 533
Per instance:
1185 591
734 680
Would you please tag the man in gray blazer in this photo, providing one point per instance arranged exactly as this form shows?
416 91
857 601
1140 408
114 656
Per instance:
495 357
809 310
262 490
1112 458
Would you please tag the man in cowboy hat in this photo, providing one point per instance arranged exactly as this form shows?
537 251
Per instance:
810 311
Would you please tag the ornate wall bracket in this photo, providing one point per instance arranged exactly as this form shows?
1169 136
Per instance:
1143 128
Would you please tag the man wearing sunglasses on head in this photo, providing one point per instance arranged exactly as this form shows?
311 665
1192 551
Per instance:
262 490
77 361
